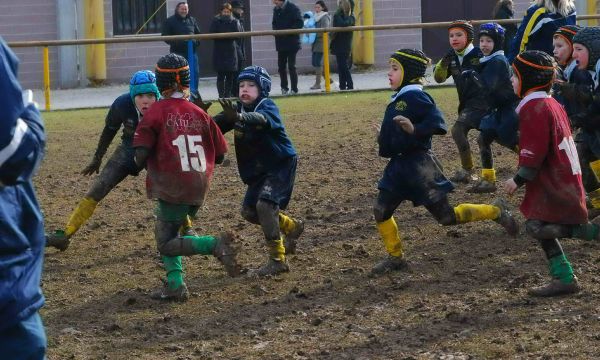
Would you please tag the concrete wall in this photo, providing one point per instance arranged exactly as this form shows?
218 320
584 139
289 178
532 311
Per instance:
28 21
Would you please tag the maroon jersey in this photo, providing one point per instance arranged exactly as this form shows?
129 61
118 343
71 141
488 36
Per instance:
556 194
184 142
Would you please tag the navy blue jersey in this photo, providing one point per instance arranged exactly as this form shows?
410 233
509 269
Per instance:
413 173
260 150
495 74
418 106
123 113
458 66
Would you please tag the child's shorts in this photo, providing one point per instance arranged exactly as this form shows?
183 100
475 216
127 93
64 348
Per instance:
503 125
275 186
471 116
417 177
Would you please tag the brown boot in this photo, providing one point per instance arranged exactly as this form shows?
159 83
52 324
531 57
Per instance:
556 287
291 239
58 239
225 251
271 268
506 219
181 294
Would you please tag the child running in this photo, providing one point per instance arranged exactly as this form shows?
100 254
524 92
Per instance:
554 201
501 123
411 119
126 111
266 162
472 105
180 144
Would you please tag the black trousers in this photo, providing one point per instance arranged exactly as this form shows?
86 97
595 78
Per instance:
225 84
287 60
344 71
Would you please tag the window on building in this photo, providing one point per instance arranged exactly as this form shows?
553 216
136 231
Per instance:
138 16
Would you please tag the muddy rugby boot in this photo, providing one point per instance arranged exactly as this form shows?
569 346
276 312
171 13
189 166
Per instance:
482 186
290 240
58 239
271 268
225 251
555 288
462 176
389 264
506 219
181 294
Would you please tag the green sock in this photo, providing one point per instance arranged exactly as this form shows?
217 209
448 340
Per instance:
587 231
560 268
174 269
203 245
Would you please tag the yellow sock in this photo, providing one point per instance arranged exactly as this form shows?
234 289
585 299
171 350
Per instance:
277 250
286 223
391 238
595 165
595 198
489 175
80 215
475 212
187 224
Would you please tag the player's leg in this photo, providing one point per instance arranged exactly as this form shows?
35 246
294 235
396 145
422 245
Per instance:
221 246
383 210
487 183
497 211
459 131
115 170
282 57
563 280
282 184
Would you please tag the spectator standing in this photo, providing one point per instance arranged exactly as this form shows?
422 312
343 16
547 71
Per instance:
539 24
502 11
225 53
238 12
22 141
181 23
341 43
286 15
322 20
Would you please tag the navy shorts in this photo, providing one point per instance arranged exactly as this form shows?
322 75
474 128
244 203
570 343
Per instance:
275 186
471 116
417 177
502 125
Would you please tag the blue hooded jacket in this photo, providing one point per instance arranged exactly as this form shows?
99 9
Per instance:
22 239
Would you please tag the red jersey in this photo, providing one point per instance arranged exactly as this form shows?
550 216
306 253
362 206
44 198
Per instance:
556 194
184 142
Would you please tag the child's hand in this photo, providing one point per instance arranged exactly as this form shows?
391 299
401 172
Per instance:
404 123
510 186
229 109
377 128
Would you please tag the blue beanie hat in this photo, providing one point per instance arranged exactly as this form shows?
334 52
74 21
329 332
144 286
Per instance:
260 76
143 82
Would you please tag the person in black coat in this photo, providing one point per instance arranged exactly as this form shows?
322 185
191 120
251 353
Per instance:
504 10
225 53
286 15
237 8
181 23
341 44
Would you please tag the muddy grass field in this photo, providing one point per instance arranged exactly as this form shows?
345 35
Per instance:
464 296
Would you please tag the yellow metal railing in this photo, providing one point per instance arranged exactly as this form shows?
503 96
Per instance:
325 31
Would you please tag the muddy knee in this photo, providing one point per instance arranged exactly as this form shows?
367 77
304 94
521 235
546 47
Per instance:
268 215
459 134
164 232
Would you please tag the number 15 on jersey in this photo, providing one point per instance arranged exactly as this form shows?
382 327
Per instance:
191 152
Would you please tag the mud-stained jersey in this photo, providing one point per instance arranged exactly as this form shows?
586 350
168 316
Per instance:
184 142
556 194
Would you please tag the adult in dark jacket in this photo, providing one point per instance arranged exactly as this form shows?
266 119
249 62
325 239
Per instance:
225 53
22 143
539 24
286 15
237 8
503 11
341 44
181 23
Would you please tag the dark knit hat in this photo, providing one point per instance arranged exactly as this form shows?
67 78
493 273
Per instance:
414 64
590 38
495 32
567 32
236 4
172 69
260 76
535 70
465 26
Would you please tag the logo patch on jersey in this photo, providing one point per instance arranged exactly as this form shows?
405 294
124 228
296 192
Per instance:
527 153
401 105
